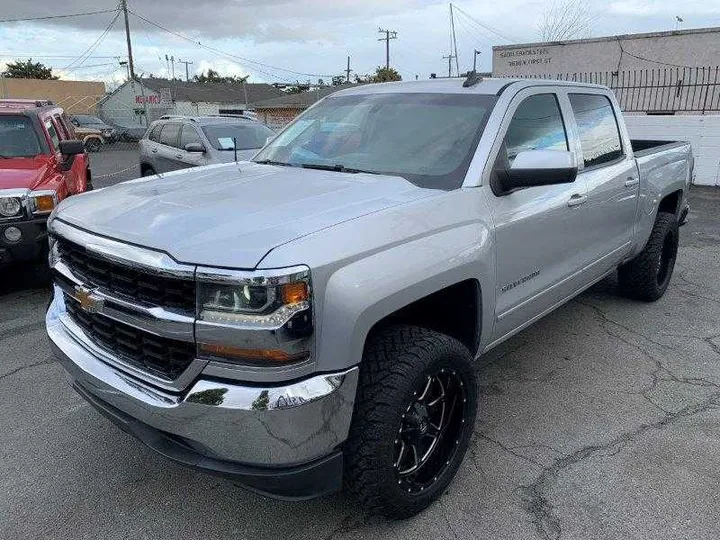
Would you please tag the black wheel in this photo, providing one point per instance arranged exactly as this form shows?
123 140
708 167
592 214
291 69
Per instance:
647 276
413 418
93 144
147 171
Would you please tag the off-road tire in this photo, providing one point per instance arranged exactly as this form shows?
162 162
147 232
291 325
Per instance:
397 361
647 276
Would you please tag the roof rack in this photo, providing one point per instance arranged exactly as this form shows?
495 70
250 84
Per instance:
473 78
177 117
27 103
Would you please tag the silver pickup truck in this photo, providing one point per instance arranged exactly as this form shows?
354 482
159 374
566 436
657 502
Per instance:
311 317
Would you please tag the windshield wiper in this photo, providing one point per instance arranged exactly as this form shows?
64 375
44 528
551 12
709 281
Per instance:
337 168
271 162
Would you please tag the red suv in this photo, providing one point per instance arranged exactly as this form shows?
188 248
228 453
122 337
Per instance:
41 163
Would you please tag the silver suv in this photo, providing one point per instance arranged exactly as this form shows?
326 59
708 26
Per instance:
178 142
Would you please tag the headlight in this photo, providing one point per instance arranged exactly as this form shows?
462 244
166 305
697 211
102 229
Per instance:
10 206
256 302
43 202
255 320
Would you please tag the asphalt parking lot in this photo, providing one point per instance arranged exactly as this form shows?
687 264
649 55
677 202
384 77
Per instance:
602 421
114 163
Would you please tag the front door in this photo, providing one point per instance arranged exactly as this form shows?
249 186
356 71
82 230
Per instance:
189 135
539 243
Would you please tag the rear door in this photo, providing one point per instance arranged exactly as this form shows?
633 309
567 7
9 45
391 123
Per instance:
167 149
608 169
539 251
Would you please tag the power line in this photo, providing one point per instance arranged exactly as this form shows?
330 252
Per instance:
486 26
95 44
218 51
47 17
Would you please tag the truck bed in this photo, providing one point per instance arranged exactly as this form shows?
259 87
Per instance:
645 147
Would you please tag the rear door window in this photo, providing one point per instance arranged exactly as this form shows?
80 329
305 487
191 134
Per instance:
169 134
598 128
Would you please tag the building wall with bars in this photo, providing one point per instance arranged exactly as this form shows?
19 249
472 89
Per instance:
703 132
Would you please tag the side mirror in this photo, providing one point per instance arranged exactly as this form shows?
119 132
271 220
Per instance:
539 168
195 148
71 148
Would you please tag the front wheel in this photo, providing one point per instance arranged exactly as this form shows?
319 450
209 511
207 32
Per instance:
647 276
413 419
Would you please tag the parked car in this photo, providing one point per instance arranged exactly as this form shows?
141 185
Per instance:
129 134
41 164
178 142
311 317
90 122
92 138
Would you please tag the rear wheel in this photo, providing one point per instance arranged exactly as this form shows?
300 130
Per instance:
147 170
647 276
413 420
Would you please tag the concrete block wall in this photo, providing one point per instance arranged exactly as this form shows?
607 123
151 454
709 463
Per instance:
702 131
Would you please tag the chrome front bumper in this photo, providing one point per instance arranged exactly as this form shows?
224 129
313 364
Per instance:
254 425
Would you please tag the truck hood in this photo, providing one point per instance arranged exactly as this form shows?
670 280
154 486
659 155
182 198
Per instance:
232 215
24 173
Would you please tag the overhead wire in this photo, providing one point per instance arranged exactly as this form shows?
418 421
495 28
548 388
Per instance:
48 17
485 26
95 44
225 53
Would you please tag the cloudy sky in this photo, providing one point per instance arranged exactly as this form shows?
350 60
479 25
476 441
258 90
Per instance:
289 40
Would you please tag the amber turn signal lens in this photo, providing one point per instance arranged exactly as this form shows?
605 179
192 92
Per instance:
294 293
253 355
44 203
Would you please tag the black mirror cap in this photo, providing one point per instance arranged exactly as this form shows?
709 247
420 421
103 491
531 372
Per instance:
194 147
72 148
511 179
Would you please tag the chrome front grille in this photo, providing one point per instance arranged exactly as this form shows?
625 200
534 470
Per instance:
127 282
161 357
132 307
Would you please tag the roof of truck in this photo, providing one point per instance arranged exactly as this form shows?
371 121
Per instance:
487 86
22 106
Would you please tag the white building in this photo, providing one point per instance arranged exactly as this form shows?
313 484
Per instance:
137 103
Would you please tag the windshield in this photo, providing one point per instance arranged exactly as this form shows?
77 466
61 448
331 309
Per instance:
17 137
428 139
249 135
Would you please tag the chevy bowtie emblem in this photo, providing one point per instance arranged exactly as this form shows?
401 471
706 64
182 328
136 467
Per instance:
88 301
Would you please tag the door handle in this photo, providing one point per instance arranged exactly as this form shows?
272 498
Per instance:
577 200
632 181
154 150
178 156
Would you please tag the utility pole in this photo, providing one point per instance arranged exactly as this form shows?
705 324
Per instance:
347 71
187 73
389 34
449 59
172 63
454 41
131 65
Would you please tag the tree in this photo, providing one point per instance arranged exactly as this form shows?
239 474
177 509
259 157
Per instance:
212 76
338 80
566 19
28 70
382 74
